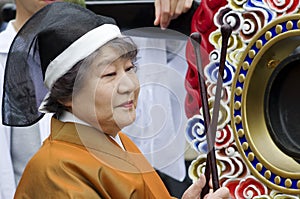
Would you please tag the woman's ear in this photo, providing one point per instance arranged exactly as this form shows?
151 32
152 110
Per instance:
67 104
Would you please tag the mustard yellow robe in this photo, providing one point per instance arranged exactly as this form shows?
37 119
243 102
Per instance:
77 161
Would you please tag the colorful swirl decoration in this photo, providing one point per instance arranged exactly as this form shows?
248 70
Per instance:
265 32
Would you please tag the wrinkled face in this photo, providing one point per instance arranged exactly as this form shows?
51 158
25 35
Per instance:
108 97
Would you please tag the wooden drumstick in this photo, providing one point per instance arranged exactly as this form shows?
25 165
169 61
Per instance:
211 127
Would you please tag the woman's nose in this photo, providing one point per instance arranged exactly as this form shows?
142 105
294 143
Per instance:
128 83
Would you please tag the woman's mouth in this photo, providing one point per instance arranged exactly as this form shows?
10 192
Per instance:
128 104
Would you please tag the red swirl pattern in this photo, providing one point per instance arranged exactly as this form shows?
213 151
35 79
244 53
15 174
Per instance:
283 7
247 188
246 17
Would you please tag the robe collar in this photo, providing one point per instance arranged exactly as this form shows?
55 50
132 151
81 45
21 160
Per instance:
69 117
101 146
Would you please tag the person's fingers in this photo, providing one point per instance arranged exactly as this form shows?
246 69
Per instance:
162 13
166 10
182 7
165 15
221 193
157 11
195 189
187 5
179 9
173 7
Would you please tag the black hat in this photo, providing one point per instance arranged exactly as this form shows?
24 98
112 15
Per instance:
50 43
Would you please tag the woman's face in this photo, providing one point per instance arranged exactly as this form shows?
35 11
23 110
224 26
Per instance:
109 94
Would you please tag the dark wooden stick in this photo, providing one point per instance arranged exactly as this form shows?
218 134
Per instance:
196 40
211 158
226 30
211 127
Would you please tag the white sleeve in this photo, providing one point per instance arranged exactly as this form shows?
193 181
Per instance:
7 179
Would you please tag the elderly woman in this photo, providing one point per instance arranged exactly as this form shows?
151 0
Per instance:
88 69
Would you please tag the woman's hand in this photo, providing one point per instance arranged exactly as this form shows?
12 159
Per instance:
166 10
194 191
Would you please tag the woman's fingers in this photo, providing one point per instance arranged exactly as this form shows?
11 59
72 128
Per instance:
193 192
221 193
166 10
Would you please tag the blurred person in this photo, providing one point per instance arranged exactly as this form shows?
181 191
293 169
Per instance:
7 12
92 93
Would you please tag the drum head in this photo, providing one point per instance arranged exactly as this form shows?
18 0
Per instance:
282 106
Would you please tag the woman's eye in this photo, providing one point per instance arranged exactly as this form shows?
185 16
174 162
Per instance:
109 74
132 68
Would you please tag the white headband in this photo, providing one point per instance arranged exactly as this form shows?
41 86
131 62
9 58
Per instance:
80 49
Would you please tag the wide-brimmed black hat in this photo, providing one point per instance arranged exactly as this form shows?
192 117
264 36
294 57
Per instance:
50 43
